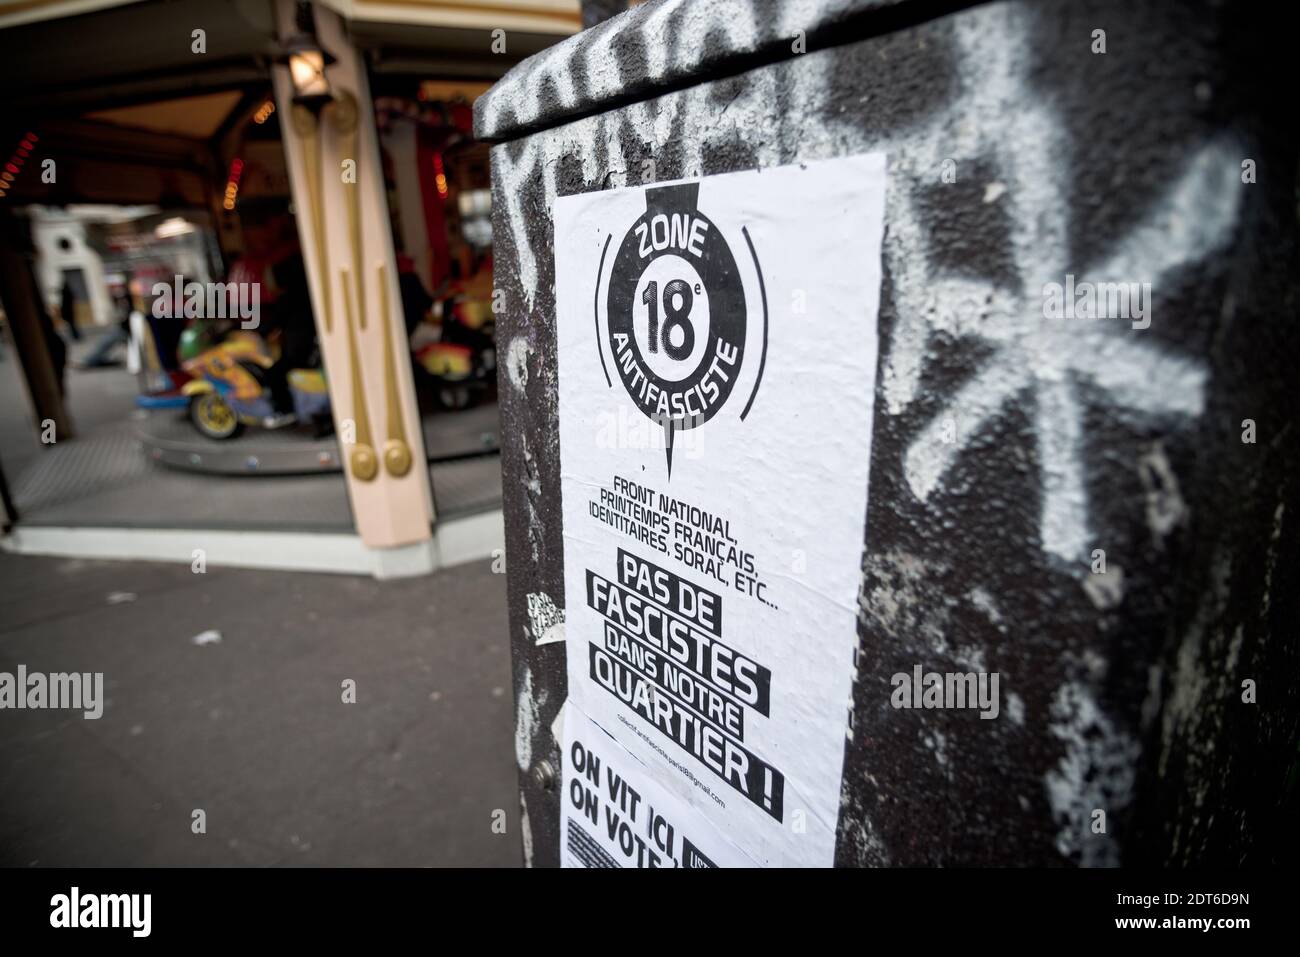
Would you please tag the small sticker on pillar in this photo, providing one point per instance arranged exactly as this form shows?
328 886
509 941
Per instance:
717 344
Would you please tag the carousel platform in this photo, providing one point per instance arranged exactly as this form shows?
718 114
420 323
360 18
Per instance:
167 438
104 493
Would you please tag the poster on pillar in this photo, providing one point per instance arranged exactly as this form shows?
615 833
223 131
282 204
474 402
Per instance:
717 343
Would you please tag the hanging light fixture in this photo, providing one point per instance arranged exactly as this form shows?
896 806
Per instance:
307 61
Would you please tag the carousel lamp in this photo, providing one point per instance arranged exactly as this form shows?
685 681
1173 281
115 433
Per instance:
307 61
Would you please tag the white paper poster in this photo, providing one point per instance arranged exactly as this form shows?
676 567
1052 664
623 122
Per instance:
717 359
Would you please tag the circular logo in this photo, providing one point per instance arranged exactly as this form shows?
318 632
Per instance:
676 311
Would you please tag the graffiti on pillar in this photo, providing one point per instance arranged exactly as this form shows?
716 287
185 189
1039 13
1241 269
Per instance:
991 119
1042 356
1034 355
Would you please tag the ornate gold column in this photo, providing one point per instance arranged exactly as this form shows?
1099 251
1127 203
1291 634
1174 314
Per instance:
344 220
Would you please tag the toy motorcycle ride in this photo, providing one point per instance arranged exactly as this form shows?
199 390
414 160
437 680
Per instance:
226 386
230 388
462 362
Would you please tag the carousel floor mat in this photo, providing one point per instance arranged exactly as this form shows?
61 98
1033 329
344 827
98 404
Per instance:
466 485
109 474
107 480
79 467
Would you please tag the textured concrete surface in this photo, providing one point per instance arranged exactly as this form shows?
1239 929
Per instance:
1123 691
252 728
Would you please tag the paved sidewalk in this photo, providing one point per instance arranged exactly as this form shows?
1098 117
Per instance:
251 728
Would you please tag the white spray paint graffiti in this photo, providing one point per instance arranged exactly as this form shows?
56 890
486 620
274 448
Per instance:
527 720
526 827
1165 509
1044 357
670 53
517 356
1192 220
1097 773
